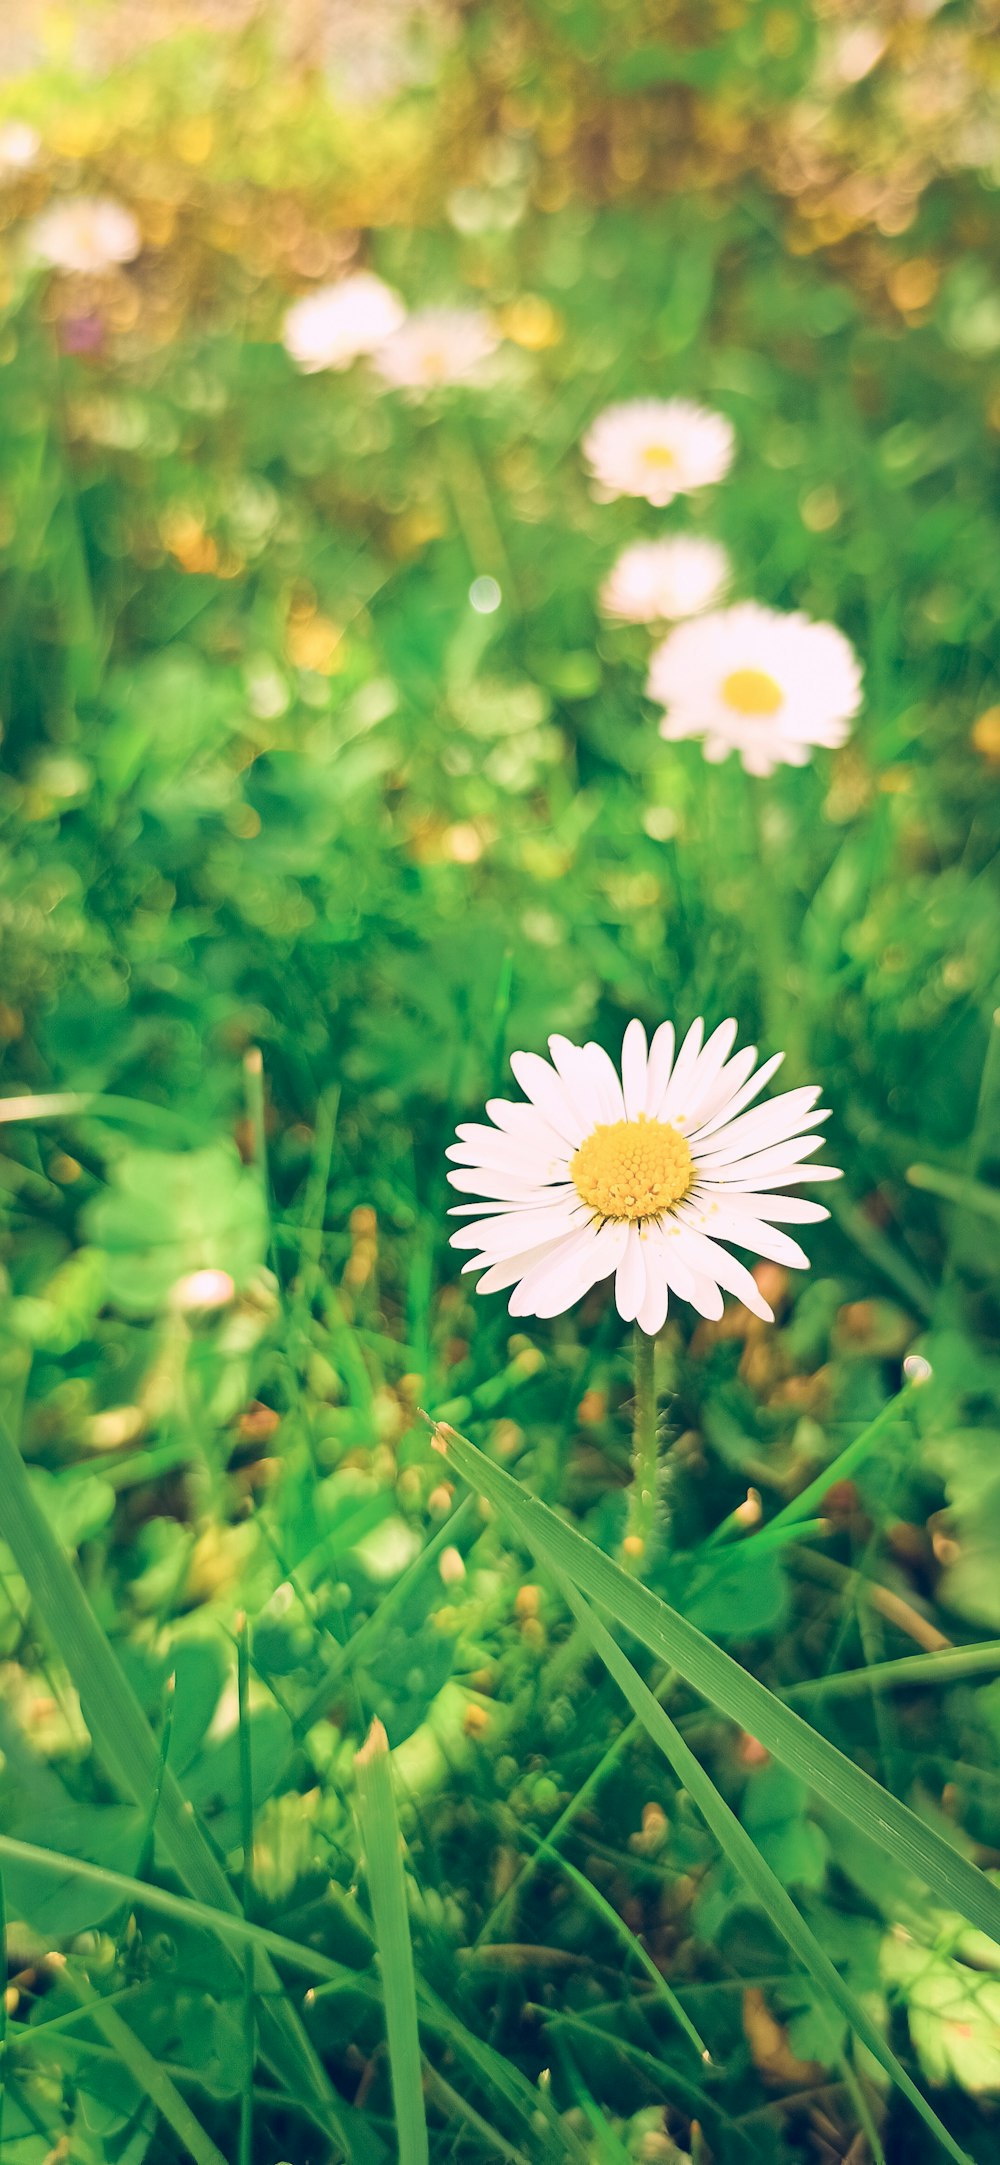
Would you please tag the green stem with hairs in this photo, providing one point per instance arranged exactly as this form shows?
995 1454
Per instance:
645 1451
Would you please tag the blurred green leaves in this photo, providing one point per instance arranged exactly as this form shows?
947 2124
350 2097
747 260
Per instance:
167 1215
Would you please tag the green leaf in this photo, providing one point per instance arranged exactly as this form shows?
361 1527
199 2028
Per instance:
111 1834
168 1213
774 1813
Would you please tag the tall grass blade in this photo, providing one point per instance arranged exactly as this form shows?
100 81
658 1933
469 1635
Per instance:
892 1826
383 1850
742 1852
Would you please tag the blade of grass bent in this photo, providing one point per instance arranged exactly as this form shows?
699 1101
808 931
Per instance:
383 1847
892 1826
124 1742
736 1844
632 1946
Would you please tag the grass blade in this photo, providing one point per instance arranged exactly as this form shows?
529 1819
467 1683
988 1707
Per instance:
124 1742
383 1850
742 1852
957 1188
892 1826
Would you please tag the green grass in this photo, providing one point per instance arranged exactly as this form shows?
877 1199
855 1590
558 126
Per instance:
692 1862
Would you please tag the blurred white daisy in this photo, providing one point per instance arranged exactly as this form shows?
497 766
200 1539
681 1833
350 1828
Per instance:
87 234
20 144
751 680
436 346
657 448
654 582
332 326
651 1174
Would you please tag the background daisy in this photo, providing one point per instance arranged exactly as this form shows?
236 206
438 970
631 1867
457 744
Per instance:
331 327
436 346
658 448
86 234
752 680
649 1174
653 582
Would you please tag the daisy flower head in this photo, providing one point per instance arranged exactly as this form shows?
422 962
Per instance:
86 234
655 582
20 145
752 680
654 1173
436 346
657 448
335 324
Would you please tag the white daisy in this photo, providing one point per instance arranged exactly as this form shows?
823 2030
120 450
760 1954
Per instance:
20 144
87 234
436 346
646 1174
657 448
332 326
653 582
751 680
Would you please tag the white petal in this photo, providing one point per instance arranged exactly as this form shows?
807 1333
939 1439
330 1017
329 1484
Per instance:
495 1209
706 1297
744 1095
724 1089
634 1070
541 1084
778 1209
499 1237
773 1160
674 1105
791 1114
706 1256
653 1310
658 1065
664 1257
603 1076
573 1068
711 1061
630 1278
506 1156
560 1278
746 1232
498 1276
503 1187
526 1123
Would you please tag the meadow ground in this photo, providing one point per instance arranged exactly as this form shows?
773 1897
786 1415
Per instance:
430 1732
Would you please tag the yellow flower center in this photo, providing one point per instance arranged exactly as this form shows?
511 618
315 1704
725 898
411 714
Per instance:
659 455
752 691
632 1169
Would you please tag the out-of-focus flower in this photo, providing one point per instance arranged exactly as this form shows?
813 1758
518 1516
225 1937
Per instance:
986 734
751 680
333 326
88 234
654 582
201 1291
644 1173
436 346
657 448
20 144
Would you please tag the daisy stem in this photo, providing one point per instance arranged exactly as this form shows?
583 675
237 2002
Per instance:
645 1452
